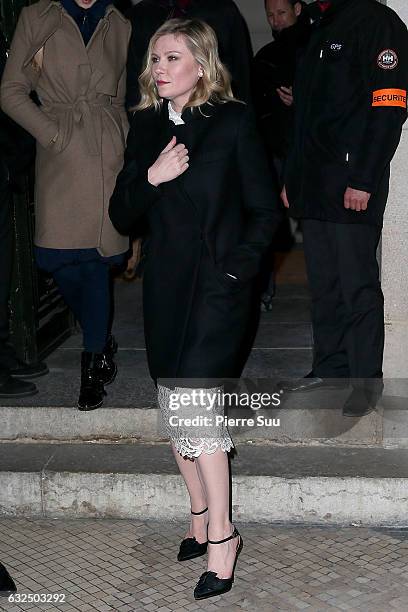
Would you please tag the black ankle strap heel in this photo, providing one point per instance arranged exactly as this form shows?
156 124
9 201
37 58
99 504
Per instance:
189 547
198 513
233 535
209 584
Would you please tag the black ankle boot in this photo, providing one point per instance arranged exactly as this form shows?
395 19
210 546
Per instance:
92 391
107 368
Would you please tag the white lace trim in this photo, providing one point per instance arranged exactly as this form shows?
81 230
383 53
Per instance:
188 446
193 447
174 116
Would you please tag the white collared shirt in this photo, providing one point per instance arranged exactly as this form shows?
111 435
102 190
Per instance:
174 116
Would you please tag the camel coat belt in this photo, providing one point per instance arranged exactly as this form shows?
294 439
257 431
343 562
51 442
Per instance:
80 126
91 113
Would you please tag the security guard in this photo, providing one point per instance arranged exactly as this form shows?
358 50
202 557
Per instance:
350 104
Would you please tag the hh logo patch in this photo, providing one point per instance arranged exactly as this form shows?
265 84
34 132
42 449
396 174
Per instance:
388 59
390 97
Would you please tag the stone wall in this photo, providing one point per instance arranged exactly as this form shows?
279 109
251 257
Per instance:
394 252
254 13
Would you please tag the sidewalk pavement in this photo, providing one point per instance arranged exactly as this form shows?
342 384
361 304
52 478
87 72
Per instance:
127 566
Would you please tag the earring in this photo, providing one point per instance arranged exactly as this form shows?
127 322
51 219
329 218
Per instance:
200 72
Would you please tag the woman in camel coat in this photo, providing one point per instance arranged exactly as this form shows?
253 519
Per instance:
73 54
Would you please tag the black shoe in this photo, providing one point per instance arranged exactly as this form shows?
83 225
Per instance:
190 548
211 586
7 585
92 392
13 387
107 368
29 370
358 404
311 382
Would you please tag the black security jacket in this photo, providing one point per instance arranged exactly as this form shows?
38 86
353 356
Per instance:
350 105
222 15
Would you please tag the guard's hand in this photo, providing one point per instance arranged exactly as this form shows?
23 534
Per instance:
286 95
357 200
172 162
284 197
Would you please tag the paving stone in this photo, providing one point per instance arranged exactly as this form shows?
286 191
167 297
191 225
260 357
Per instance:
161 584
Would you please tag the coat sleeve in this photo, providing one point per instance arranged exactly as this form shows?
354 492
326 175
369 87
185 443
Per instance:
384 63
260 200
119 99
133 194
17 85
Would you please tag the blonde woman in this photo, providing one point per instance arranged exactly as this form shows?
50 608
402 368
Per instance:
195 170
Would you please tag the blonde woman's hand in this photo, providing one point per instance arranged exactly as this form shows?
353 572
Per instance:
172 162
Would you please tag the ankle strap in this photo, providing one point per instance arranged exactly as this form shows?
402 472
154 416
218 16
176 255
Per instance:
198 513
234 534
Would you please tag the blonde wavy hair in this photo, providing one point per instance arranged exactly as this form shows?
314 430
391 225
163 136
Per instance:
200 38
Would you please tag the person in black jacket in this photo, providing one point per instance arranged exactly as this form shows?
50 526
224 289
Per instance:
350 105
273 72
222 15
16 149
195 168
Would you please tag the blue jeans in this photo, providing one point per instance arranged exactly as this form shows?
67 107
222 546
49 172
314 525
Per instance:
83 278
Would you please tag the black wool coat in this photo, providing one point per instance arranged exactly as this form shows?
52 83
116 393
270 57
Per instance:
217 218
222 15
347 121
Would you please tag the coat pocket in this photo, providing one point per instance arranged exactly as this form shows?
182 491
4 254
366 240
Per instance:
62 134
226 280
232 285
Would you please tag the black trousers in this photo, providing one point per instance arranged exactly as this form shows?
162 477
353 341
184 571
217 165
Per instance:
7 355
347 301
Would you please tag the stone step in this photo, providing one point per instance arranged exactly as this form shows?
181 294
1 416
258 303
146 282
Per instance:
310 418
270 483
